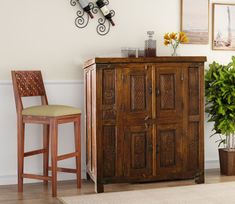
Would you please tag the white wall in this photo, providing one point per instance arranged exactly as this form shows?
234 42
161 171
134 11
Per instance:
41 34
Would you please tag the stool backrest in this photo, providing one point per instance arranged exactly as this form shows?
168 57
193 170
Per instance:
28 84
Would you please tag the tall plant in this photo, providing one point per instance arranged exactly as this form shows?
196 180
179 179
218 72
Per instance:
220 98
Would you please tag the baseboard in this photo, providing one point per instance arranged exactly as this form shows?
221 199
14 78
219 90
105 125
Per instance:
212 164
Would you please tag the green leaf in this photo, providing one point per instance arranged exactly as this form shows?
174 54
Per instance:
220 97
222 142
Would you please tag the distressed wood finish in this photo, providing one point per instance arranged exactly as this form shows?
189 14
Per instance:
28 84
169 149
138 151
169 91
166 59
144 119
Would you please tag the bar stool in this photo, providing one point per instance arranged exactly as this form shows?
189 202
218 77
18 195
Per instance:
28 84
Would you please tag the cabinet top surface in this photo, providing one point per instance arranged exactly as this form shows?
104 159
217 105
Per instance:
167 59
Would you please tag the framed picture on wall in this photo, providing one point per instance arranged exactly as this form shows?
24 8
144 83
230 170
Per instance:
223 34
195 20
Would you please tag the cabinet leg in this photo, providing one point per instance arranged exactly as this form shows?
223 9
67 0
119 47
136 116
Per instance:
200 179
99 188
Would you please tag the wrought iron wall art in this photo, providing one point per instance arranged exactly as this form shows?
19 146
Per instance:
86 13
105 22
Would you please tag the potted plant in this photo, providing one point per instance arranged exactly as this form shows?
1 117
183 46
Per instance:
220 98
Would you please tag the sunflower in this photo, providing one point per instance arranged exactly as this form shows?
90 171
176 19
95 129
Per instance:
166 42
183 38
166 36
173 36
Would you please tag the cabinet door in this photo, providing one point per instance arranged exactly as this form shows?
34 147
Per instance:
169 148
169 80
110 136
137 92
138 151
137 97
195 118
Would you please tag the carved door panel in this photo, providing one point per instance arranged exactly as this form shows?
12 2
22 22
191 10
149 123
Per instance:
137 92
169 148
112 136
109 145
138 151
169 92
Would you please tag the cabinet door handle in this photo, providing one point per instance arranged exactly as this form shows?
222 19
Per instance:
158 92
182 76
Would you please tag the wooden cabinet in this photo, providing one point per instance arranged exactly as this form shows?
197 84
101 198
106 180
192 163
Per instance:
144 119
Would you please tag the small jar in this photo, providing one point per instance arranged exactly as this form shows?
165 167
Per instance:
141 53
124 51
150 45
132 52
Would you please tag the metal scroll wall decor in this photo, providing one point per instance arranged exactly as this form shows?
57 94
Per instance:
86 11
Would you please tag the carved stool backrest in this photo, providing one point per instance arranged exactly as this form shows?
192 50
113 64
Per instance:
26 84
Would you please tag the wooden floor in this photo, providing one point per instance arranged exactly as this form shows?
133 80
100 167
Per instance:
39 194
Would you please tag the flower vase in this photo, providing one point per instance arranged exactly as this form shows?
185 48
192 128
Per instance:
175 52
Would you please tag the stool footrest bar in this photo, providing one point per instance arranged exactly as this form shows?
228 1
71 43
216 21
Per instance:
38 177
67 156
65 170
35 152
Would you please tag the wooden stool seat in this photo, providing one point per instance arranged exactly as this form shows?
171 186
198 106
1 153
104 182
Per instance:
50 110
28 84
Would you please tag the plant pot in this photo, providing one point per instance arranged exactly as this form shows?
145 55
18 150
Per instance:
227 162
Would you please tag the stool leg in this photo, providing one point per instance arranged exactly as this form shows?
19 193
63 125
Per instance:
46 154
20 137
77 134
54 153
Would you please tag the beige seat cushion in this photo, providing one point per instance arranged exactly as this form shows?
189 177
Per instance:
50 110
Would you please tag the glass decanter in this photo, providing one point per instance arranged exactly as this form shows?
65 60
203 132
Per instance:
150 45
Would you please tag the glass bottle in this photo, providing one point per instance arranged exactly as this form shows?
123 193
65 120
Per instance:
150 45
